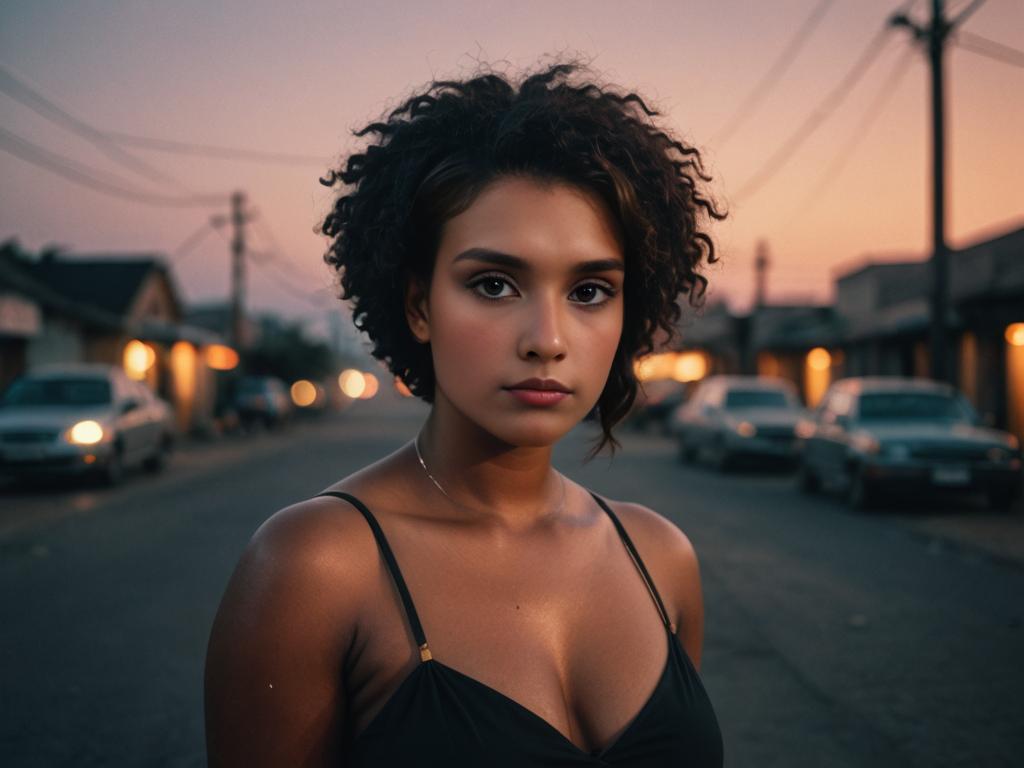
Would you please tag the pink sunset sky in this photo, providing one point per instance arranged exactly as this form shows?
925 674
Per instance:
297 78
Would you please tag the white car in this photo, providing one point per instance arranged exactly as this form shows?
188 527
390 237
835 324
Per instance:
82 419
732 418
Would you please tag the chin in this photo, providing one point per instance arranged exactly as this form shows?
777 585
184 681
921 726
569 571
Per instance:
531 430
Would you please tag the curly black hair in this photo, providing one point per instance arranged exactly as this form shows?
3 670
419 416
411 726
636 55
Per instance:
432 155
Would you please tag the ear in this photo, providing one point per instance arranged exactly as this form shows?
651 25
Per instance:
417 310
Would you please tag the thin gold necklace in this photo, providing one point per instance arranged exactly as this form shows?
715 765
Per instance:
416 445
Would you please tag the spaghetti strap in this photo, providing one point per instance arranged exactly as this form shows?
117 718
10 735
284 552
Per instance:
392 564
637 561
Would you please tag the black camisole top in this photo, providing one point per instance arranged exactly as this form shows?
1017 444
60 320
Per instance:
440 717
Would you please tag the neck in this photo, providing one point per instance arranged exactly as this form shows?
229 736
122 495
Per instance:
486 481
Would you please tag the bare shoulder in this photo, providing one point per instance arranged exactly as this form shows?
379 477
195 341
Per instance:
316 539
284 628
672 561
656 537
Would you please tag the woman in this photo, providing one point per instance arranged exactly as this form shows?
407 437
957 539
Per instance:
509 249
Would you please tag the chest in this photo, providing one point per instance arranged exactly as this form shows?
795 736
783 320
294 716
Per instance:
570 635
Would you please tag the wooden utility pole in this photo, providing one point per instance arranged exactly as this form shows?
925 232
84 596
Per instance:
238 220
933 37
761 262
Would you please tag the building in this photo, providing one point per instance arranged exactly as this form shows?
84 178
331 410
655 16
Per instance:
122 310
885 311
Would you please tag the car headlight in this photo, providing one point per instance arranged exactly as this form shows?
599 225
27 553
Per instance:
86 432
804 429
865 443
746 429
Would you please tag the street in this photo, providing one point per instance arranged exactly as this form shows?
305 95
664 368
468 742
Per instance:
832 638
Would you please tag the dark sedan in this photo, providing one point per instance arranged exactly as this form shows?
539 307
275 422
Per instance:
876 436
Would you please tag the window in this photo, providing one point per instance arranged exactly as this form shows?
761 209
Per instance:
78 390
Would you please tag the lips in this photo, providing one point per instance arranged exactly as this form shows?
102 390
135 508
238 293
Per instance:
542 385
539 392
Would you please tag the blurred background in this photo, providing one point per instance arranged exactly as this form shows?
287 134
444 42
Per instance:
838 430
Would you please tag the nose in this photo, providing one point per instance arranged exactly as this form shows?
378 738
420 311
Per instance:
542 336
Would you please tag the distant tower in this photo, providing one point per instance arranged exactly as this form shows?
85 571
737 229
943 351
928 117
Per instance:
761 262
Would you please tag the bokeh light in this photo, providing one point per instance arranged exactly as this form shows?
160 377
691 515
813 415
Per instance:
303 393
138 358
352 383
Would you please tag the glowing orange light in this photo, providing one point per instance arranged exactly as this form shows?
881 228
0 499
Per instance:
819 359
817 374
138 358
1015 334
303 393
372 385
183 373
221 357
690 366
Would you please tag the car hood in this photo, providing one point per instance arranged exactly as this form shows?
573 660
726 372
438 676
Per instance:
51 416
934 432
766 417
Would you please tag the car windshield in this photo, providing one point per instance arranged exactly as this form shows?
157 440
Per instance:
755 398
901 406
58 391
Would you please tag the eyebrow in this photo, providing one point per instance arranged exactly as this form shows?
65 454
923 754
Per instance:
488 256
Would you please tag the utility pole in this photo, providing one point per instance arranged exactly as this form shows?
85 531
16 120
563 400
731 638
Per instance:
238 220
761 262
933 36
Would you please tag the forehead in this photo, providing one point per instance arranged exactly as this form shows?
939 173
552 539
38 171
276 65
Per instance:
534 219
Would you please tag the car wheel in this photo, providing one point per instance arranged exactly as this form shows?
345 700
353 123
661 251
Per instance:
808 481
721 460
113 472
158 460
859 494
1000 500
686 453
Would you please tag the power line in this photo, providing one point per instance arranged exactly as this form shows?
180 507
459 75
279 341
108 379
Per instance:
763 86
213 150
961 16
34 100
989 48
833 99
275 251
190 243
843 156
97 180
283 280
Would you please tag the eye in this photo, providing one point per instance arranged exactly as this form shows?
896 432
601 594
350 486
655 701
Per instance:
590 293
492 287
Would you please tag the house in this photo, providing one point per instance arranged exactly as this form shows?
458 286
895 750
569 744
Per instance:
122 310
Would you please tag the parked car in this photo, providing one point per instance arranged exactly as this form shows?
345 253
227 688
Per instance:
82 419
263 400
731 418
873 435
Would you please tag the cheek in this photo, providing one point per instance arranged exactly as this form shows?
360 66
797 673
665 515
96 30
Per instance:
595 346
465 346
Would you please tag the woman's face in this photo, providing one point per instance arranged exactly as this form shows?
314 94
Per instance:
527 285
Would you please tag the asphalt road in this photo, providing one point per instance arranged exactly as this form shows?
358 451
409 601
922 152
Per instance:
832 638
